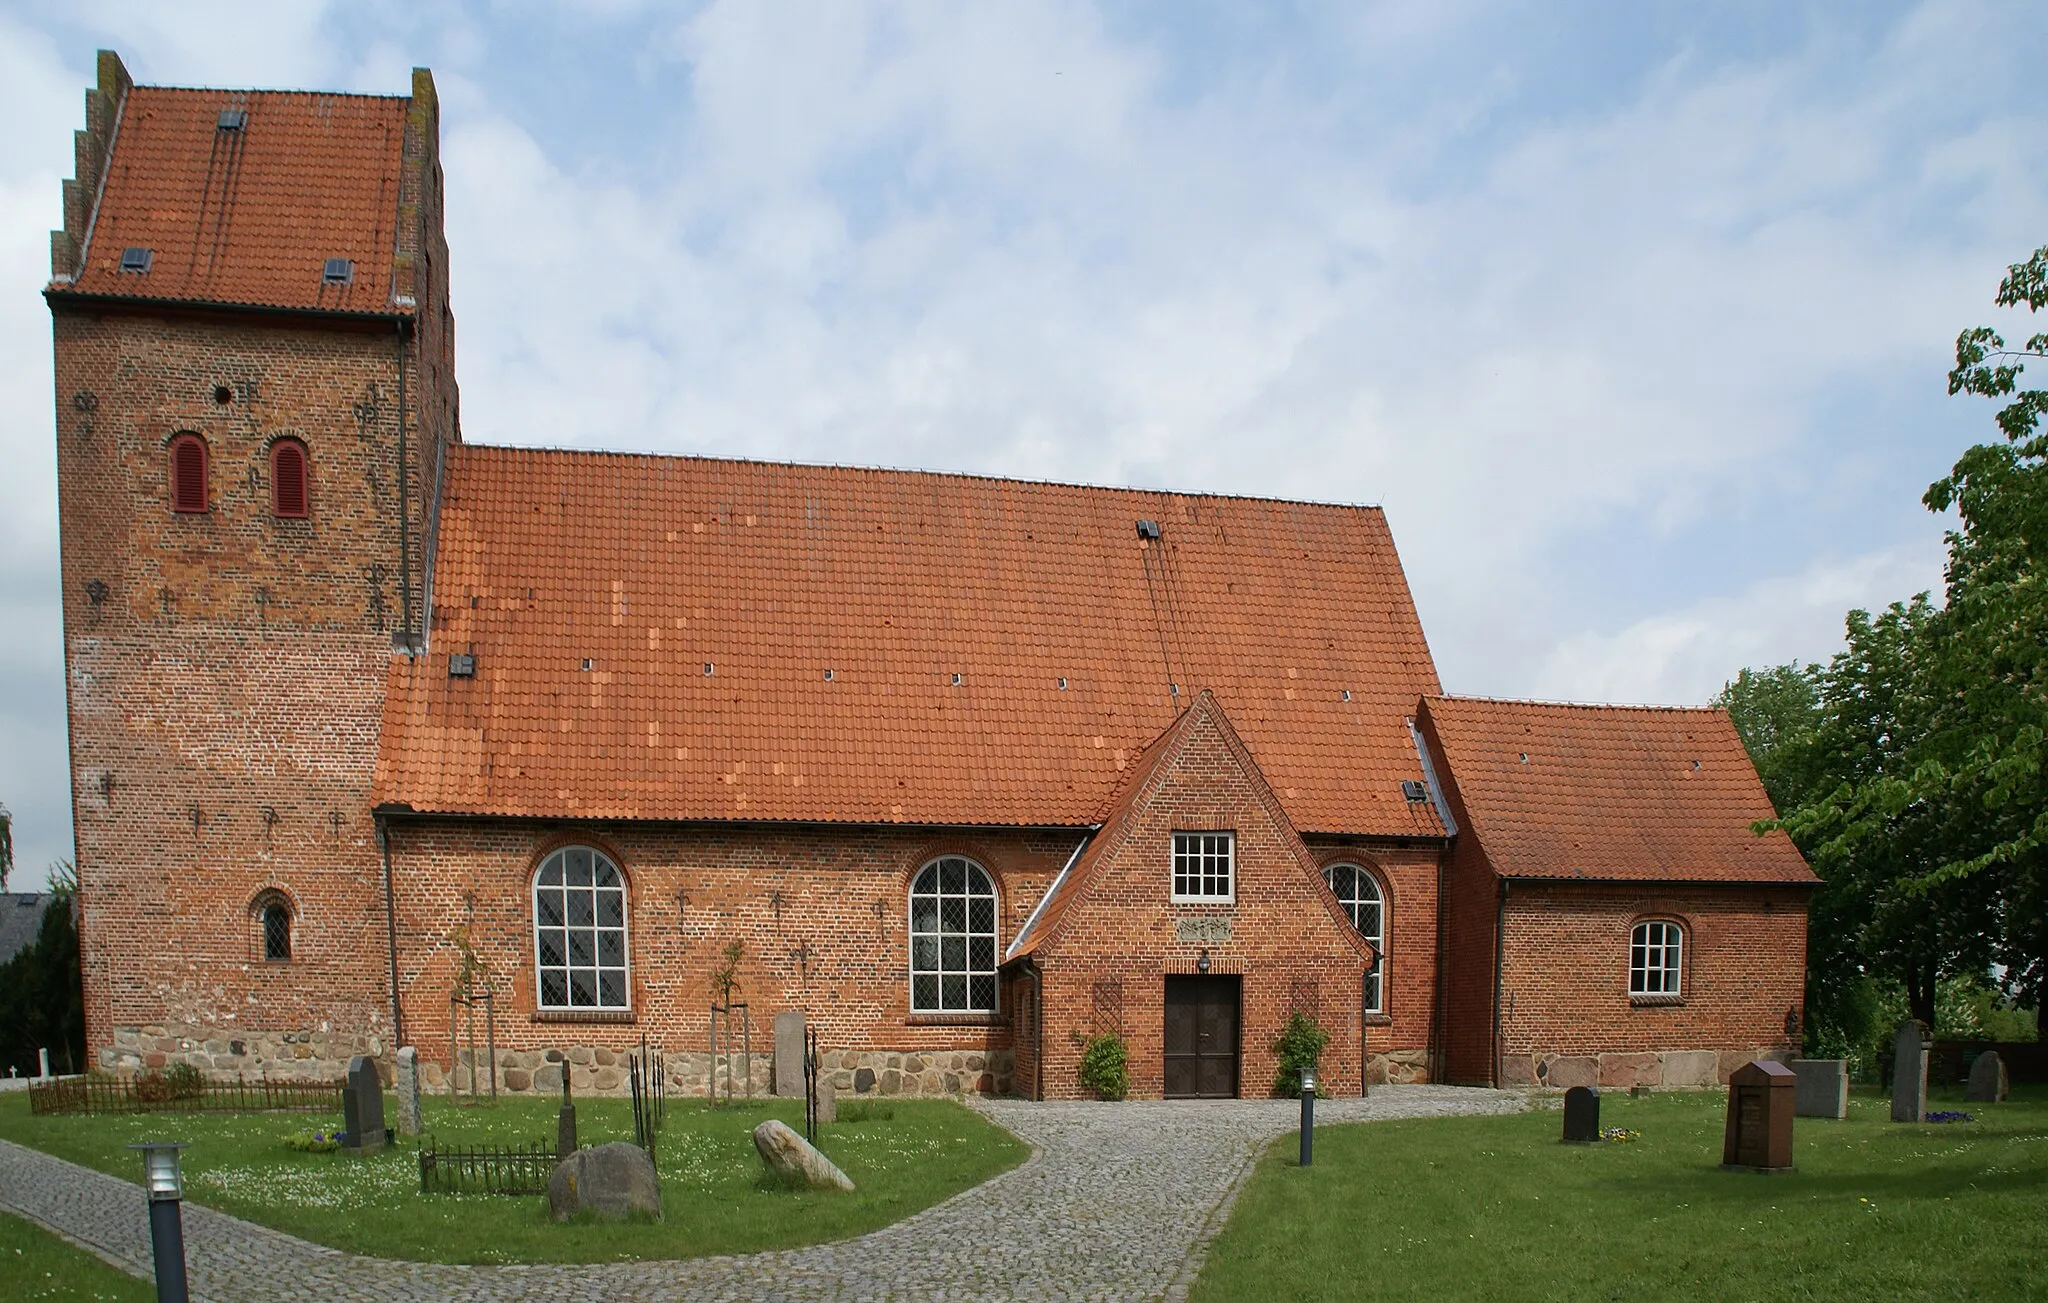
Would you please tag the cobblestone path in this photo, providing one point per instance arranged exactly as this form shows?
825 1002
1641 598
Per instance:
1118 1201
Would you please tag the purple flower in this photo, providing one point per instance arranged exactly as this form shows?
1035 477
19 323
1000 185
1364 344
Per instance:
1950 1116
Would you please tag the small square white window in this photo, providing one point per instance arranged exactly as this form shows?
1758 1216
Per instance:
1204 866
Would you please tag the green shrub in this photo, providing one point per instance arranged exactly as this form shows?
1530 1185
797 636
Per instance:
1106 1066
1300 1045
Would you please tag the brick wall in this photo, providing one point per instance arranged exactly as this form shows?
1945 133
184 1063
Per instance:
821 914
225 670
1470 904
1286 941
1567 1014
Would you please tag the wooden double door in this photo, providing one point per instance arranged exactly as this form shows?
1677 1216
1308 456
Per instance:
1202 1037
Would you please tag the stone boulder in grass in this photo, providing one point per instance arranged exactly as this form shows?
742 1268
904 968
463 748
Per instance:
610 1182
792 1157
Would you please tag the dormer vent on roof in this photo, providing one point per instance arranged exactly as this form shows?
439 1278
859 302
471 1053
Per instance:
136 259
339 271
231 120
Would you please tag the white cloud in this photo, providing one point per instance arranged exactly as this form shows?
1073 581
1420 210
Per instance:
1683 657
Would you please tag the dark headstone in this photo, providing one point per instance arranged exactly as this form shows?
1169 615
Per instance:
565 1131
362 1107
789 1053
863 1080
1909 1072
1582 1116
1823 1088
610 1182
1761 1101
1988 1082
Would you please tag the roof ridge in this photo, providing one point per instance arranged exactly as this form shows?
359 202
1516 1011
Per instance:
1550 703
642 455
271 90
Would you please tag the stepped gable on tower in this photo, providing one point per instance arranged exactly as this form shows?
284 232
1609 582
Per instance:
691 638
240 198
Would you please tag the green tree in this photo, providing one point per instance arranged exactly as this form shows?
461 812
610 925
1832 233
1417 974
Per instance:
6 846
42 999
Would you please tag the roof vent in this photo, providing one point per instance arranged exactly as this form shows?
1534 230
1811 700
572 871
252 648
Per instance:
828 676
136 260
1414 790
462 665
709 669
956 680
338 271
1148 529
232 120
586 662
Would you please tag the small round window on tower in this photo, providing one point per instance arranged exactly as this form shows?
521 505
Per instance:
223 395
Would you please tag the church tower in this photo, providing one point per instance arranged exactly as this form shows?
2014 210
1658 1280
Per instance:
255 394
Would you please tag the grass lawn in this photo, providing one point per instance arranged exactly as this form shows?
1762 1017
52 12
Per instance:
1495 1208
903 1154
38 1266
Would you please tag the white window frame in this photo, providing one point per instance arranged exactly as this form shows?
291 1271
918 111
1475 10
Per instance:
1197 844
559 856
1663 939
933 939
1376 982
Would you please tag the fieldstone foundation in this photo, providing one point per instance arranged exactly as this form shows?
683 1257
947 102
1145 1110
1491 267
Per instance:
1665 1069
319 1055
1397 1067
936 1072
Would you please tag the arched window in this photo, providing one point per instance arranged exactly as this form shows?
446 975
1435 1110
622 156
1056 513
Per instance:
579 931
953 938
1656 958
273 926
288 476
188 474
1360 895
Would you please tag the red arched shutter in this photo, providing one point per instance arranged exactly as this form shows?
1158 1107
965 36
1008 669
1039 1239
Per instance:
188 474
287 479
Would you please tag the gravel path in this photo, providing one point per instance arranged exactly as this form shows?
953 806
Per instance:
1118 1201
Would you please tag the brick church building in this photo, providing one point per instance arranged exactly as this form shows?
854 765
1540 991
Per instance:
965 768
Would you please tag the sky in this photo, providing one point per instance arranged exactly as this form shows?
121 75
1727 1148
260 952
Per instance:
1635 318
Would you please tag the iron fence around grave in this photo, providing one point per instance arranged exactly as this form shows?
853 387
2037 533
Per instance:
485 1169
145 1095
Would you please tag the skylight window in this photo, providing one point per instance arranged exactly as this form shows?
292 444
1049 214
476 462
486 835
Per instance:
137 260
339 271
232 120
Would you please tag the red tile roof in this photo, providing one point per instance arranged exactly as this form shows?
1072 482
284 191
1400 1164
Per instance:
654 568
1624 793
250 217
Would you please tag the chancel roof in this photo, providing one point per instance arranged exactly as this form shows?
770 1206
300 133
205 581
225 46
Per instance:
692 638
1611 793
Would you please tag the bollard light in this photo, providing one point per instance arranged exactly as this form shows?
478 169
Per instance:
166 1188
1308 1115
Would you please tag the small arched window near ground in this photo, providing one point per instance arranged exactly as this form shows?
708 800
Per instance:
1360 895
953 938
188 475
274 926
288 477
579 931
1656 955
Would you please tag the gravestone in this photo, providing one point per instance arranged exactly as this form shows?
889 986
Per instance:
1909 1072
610 1182
789 1053
828 1100
1823 1088
407 1080
1988 1082
362 1107
1582 1116
1761 1101
792 1157
565 1121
